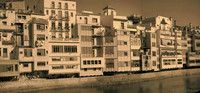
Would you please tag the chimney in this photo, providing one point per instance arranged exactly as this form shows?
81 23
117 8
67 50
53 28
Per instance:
190 25
174 23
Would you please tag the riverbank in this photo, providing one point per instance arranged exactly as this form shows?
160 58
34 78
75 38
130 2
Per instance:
40 84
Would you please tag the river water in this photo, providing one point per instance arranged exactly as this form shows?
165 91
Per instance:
186 84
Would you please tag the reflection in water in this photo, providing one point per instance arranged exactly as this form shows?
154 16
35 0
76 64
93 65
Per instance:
189 84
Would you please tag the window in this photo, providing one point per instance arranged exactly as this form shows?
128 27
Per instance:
28 52
94 20
56 59
34 7
85 20
53 12
16 67
41 64
19 17
70 49
57 67
86 38
66 14
72 15
10 5
153 44
6 68
60 25
40 26
66 35
0 36
72 26
92 62
99 61
4 22
4 34
154 53
135 63
25 65
88 62
66 25
57 49
179 59
47 12
125 43
84 62
153 35
122 25
125 53
71 66
125 33
53 35
52 4
123 64
60 35
179 62
66 5
0 51
197 61
80 18
53 25
154 63
40 52
5 52
95 61
24 17
86 28
40 37
59 5
27 7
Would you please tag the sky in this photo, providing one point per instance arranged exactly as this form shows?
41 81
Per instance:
183 11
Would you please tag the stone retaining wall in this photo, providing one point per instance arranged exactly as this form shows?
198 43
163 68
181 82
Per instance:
37 84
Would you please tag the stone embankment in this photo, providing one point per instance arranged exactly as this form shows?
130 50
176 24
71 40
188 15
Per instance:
40 84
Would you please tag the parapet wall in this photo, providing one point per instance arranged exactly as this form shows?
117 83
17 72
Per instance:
40 84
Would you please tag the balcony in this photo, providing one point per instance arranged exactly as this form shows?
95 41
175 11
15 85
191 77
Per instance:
65 18
59 29
59 18
52 17
97 45
97 32
64 39
3 17
8 42
111 55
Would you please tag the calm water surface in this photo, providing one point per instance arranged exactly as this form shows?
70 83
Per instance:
186 84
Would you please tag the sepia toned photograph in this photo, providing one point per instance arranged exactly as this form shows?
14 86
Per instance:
99 46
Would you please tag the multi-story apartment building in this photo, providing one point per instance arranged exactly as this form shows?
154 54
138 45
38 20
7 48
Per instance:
150 40
135 43
192 35
166 42
48 37
64 49
8 66
119 25
91 35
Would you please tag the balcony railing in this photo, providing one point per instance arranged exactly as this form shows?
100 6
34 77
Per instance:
53 29
3 17
59 18
65 39
8 42
110 55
